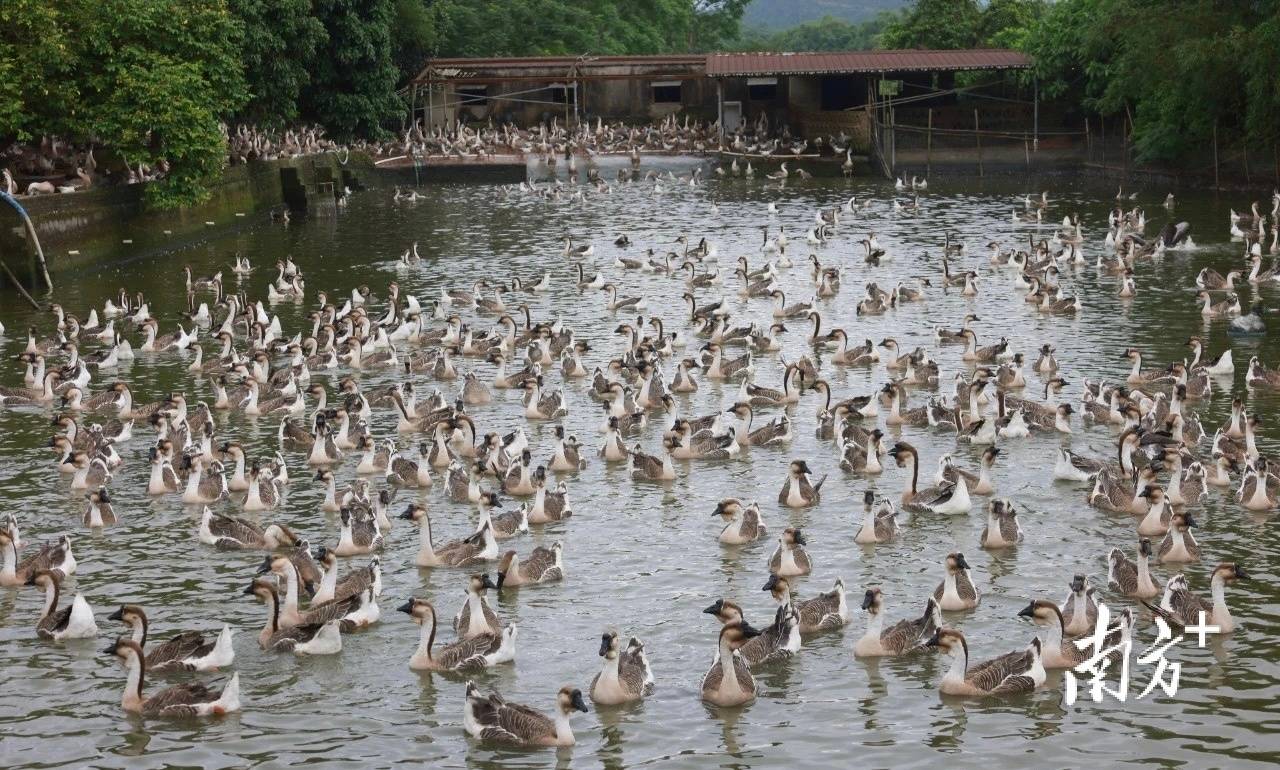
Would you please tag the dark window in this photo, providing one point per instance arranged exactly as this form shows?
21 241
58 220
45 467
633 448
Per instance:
562 95
473 96
762 92
843 92
666 94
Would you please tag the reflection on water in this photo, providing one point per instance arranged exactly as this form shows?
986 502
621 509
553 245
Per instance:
645 558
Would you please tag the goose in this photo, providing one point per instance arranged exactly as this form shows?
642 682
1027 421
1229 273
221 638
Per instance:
798 491
355 582
1258 376
729 681
1130 578
1158 516
323 638
1060 651
879 522
581 250
596 281
979 483
540 405
1181 608
1002 528
53 557
179 701
625 676
1257 491
1223 309
901 638
1080 609
353 612
544 565
99 513
615 303
476 616
720 369
1218 365
825 612
494 719
1211 280
1014 673
743 523
75 621
234 533
1179 545
782 310
359 533
548 506
613 449
951 498
187 651
567 454
861 355
480 651
790 557
956 591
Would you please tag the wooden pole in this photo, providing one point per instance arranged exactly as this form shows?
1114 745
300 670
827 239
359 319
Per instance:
928 152
31 233
1088 140
1026 149
977 135
1102 119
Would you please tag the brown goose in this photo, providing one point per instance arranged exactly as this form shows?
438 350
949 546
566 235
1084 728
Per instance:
476 616
181 700
309 639
494 719
625 676
479 651
1010 674
187 651
825 612
902 637
236 533
544 565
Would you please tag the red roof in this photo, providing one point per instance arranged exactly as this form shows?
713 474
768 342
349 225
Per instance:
722 64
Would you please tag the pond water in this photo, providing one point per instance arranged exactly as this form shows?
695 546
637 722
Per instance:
644 558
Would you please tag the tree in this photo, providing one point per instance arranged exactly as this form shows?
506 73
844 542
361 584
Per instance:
935 24
353 79
278 49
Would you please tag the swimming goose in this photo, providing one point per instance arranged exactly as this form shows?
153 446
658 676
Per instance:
1129 578
476 616
1226 308
480 651
324 638
825 612
879 522
956 591
1211 280
567 455
743 523
979 483
494 719
181 700
548 505
544 565
75 621
729 681
235 533
859 449
615 303
187 651
1062 652
99 512
540 405
775 432
798 491
1159 515
1002 528
55 556
951 498
359 533
355 582
1181 608
581 250
355 611
782 310
790 557
1179 545
903 637
1080 609
625 676
1014 673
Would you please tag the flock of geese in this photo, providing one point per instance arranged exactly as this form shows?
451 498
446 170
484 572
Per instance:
307 385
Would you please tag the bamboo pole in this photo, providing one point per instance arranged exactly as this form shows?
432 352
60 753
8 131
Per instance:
977 135
1026 149
31 233
1088 140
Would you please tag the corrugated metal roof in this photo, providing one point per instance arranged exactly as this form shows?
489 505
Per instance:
723 64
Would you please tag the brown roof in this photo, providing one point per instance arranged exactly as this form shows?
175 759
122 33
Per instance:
722 64
535 67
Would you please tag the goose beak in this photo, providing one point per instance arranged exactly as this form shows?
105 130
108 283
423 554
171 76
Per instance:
770 583
117 615
868 599
578 703
934 640
406 608
1028 612
1077 583
606 641
715 608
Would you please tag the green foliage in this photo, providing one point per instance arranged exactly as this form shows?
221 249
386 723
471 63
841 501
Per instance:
37 92
936 24
353 80
279 44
